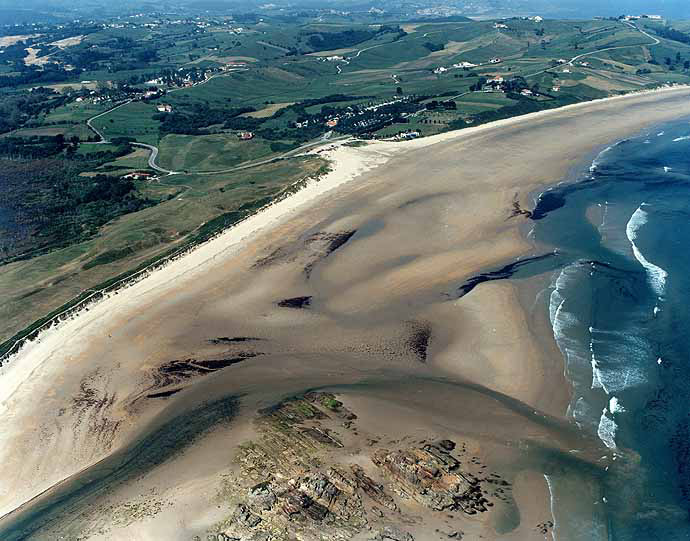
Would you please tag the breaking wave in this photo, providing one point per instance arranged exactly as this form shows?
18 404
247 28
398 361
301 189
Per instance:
657 276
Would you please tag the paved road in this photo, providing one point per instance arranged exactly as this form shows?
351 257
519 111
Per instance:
103 140
325 138
656 42
153 150
152 159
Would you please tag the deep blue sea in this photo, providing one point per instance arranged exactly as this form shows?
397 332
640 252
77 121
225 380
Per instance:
619 305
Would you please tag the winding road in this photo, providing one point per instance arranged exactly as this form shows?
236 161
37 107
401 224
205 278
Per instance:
152 159
103 140
583 55
153 150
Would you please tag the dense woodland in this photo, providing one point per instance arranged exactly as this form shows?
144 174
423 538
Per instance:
47 204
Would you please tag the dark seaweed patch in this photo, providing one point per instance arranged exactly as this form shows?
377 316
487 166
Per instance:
180 370
295 302
418 340
332 241
312 249
501 274
337 240
234 339
518 210
164 394
217 364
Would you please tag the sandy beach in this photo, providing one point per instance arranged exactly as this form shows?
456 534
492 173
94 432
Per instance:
349 286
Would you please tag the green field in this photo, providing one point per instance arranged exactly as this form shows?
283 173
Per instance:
132 120
208 152
75 112
67 130
137 160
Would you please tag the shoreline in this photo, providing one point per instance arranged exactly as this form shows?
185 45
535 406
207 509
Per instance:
350 172
347 163
485 201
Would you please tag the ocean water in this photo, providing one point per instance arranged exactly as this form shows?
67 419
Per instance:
619 306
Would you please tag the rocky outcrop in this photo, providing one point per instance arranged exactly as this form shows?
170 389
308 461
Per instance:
297 481
432 476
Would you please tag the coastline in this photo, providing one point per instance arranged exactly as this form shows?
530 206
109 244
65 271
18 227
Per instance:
344 167
483 214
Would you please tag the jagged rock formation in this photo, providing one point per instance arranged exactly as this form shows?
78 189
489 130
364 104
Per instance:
296 481
432 476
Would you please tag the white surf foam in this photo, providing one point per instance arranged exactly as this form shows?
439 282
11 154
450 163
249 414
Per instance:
552 507
684 138
596 376
607 429
620 369
657 276
597 160
615 405
612 235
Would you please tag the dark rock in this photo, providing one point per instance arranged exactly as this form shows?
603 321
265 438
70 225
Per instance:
432 477
321 489
245 517
322 436
299 503
372 489
262 497
295 302
447 445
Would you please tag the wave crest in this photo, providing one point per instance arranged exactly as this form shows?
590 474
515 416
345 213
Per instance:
656 275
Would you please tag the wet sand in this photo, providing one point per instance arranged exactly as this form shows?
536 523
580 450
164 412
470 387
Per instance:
377 263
